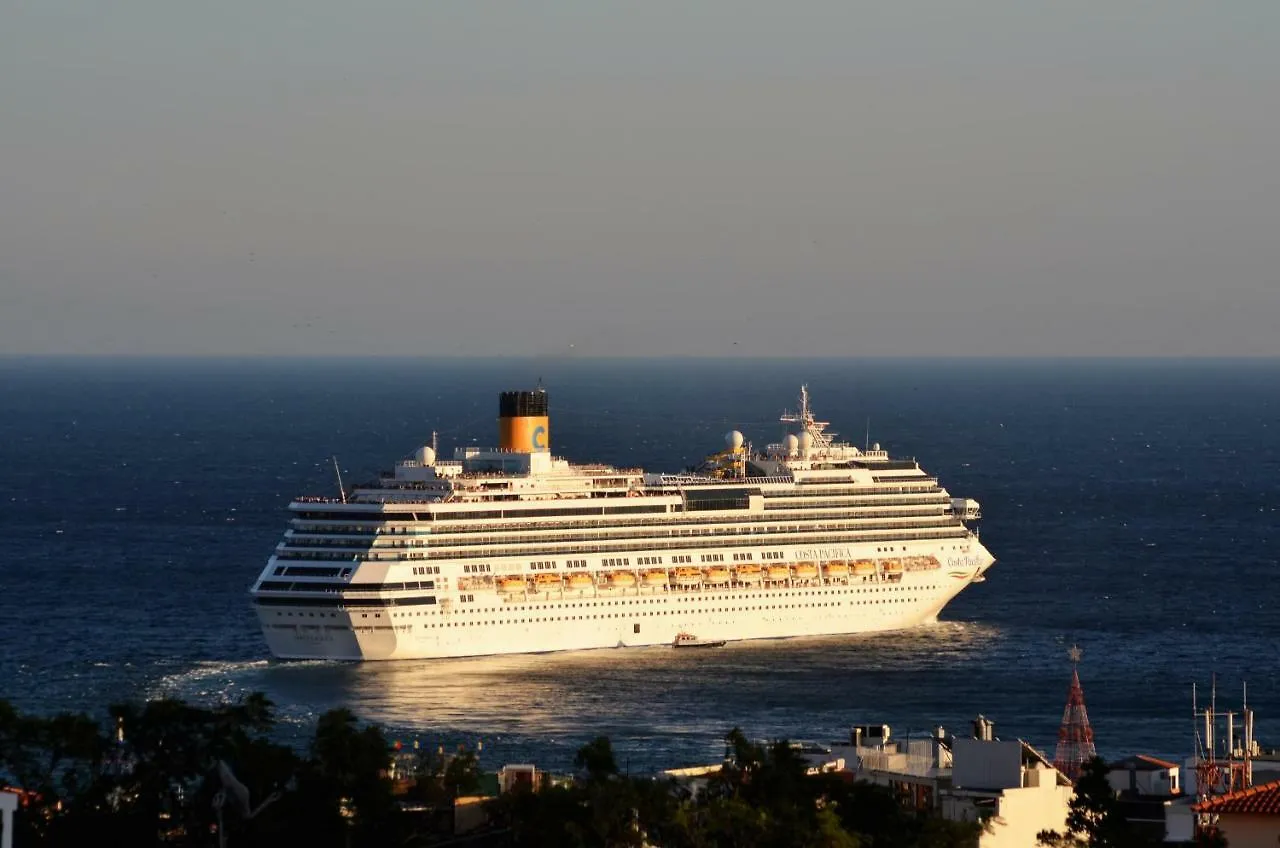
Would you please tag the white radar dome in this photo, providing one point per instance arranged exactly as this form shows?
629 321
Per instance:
791 443
806 442
733 439
426 456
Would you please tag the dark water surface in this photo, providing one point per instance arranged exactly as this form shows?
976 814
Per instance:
1132 507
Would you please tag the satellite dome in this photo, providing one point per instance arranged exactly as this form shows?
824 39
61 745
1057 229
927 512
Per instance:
805 441
791 443
426 456
733 439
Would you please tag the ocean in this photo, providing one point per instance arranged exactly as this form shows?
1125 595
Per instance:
1131 505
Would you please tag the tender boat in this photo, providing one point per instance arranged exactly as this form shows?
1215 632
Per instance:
718 576
655 578
688 640
688 576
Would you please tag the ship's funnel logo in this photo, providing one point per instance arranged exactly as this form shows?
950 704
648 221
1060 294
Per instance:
523 425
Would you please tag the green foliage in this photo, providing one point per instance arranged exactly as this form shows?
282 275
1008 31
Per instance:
596 759
162 785
440 778
762 798
1094 819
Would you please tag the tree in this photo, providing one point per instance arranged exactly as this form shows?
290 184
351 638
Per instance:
346 783
1210 837
596 760
1094 818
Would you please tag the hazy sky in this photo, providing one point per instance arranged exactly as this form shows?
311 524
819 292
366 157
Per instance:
713 178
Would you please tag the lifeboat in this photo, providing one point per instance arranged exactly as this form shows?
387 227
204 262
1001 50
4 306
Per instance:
747 573
622 578
717 576
932 562
806 570
688 577
864 568
655 578
580 580
778 573
511 584
892 566
547 581
837 568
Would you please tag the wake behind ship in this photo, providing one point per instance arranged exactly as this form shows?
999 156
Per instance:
513 550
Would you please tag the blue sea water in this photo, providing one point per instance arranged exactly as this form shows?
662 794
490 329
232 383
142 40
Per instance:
1132 506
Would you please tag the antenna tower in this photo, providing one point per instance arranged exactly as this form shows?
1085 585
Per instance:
822 440
1223 764
1075 735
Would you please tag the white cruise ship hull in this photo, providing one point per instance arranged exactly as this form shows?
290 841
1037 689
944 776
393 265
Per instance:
569 619
513 550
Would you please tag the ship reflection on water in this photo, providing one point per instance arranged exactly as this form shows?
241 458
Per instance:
659 705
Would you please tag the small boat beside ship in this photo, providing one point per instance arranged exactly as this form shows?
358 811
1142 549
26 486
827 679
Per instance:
688 640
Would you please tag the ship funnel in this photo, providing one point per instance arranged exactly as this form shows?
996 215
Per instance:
523 425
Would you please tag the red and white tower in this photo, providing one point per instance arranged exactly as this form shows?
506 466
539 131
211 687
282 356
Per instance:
1075 736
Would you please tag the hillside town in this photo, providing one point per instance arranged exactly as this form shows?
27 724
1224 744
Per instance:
174 774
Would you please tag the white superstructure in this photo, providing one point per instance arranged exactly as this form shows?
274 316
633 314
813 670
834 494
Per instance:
513 550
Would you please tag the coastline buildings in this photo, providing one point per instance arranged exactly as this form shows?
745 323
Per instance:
1007 783
1151 797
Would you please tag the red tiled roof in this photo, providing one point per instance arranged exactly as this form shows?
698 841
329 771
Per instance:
1260 800
1164 764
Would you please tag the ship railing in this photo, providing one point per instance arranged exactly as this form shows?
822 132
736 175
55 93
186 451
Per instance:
721 537
695 480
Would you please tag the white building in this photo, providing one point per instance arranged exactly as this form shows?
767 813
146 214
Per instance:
8 804
1152 798
1144 775
1010 784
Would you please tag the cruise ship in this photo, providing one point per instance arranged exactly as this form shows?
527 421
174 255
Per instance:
514 550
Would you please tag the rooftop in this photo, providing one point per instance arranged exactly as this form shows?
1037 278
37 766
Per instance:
1142 762
1261 800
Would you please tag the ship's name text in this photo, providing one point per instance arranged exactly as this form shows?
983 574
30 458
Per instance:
824 553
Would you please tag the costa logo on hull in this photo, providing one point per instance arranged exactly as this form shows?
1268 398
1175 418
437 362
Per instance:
529 433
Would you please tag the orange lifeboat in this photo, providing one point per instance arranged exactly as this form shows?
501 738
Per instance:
547 581
580 580
778 573
892 566
511 585
864 568
688 576
806 570
621 579
837 568
655 578
717 575
932 562
749 573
